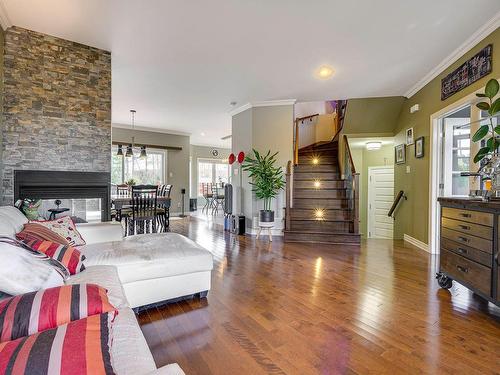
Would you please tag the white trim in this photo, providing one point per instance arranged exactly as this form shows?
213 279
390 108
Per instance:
268 103
149 129
274 231
5 21
421 245
434 167
485 30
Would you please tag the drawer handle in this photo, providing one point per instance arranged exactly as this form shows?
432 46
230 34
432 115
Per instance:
465 215
464 227
463 239
463 269
462 251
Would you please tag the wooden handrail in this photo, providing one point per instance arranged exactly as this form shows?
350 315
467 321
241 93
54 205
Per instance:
400 195
306 117
348 149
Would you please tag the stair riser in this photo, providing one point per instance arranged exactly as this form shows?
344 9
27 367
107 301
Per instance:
320 203
316 168
322 226
319 153
315 176
320 193
324 184
305 214
322 238
307 159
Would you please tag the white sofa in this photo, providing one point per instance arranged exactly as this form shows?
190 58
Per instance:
153 268
130 354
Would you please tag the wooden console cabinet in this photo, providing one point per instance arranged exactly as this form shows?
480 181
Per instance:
469 246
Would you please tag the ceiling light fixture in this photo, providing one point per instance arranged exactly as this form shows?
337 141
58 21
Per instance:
370 146
120 151
325 72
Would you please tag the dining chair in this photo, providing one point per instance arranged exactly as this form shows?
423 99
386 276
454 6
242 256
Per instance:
207 192
123 191
218 198
163 212
144 209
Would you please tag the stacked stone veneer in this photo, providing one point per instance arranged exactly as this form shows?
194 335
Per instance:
57 106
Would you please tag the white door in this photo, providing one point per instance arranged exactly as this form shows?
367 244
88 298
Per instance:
380 198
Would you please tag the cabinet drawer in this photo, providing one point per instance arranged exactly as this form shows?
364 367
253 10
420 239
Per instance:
468 252
461 269
465 227
467 239
476 217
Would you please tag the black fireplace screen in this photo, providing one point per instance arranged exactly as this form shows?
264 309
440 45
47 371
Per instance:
83 195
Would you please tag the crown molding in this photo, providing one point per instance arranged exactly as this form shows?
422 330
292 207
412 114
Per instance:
268 103
475 38
149 129
4 17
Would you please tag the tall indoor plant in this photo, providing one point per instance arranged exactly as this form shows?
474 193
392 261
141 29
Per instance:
267 180
490 133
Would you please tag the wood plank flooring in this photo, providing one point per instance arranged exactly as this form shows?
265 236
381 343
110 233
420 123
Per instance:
322 309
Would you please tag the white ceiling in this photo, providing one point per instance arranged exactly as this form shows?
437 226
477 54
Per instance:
180 63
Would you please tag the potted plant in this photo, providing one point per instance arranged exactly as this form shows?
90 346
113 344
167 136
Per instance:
489 133
267 180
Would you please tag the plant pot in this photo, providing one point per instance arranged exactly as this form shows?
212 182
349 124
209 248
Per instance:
266 216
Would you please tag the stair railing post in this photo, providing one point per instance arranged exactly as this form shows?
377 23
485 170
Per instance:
288 197
296 144
356 202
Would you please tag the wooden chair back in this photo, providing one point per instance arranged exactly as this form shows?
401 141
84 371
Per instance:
122 190
144 202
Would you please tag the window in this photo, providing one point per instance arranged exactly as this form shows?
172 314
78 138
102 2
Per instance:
150 170
211 171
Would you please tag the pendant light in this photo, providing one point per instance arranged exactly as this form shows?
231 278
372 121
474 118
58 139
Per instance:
120 151
130 147
143 152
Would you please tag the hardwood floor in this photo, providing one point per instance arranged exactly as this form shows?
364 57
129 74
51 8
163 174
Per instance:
322 309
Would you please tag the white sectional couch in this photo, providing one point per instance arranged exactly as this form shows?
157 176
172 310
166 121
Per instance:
137 271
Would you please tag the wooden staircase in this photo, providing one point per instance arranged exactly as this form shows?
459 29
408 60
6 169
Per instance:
321 205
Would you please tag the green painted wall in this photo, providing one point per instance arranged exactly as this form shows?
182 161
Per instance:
373 116
413 215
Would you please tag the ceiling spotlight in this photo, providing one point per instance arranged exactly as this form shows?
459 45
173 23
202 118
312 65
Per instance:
325 72
370 146
202 134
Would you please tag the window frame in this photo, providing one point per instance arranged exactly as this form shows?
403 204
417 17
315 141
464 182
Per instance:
149 151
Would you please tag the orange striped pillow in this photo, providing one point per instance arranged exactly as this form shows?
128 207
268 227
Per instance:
68 256
34 312
39 232
81 347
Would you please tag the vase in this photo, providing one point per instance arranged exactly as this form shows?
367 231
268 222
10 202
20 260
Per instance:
495 175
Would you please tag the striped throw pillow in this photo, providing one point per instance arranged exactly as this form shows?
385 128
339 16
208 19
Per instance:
81 347
34 312
39 232
69 256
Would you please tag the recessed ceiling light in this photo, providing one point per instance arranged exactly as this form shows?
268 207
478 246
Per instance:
325 72
233 103
202 134
373 146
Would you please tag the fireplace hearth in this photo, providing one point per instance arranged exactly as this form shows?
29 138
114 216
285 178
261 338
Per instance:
29 184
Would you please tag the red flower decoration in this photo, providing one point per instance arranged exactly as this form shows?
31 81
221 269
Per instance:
241 157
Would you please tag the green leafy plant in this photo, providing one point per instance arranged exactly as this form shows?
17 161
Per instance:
488 131
131 182
267 178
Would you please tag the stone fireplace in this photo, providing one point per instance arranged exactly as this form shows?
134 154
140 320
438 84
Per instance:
86 194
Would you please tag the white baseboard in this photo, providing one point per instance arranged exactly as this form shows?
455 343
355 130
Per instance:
421 245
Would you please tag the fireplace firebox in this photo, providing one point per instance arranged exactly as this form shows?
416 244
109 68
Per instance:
29 184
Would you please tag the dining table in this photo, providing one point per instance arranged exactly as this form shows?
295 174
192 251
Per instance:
120 201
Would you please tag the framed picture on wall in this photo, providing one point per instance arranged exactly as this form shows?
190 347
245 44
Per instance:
409 136
419 147
400 156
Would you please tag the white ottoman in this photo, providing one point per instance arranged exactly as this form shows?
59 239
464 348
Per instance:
154 268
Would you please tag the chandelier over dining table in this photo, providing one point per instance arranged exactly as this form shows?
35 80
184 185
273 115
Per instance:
130 147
